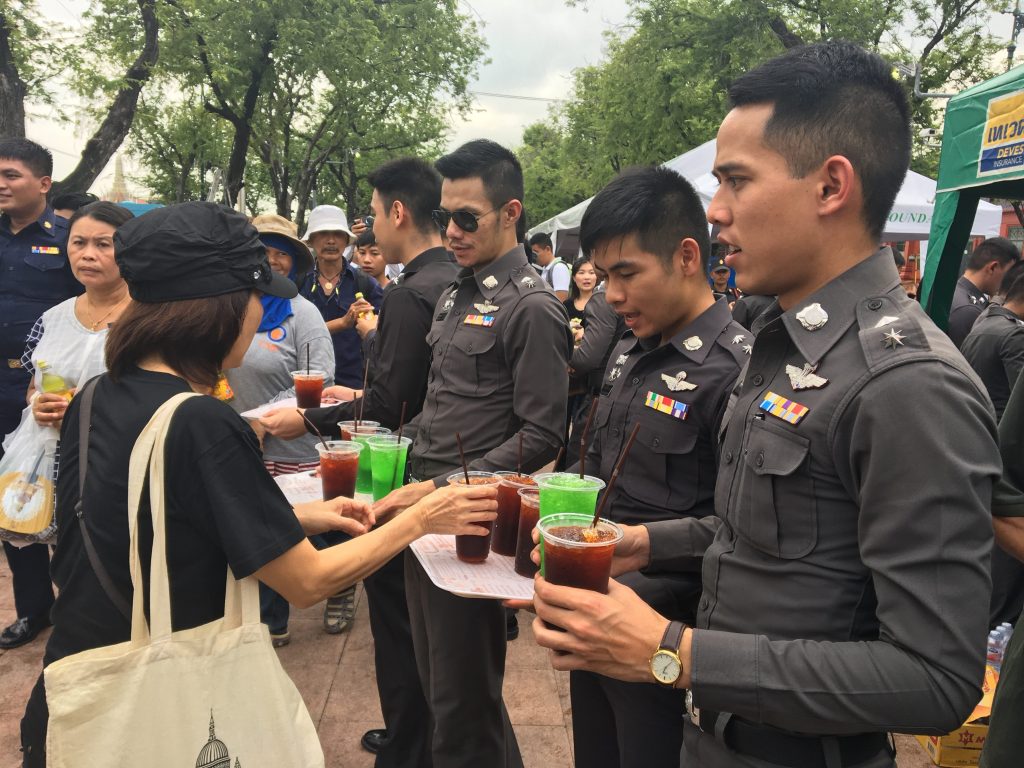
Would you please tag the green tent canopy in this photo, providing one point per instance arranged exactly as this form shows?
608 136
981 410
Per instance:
982 156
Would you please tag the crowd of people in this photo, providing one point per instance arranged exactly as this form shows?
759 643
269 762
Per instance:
808 559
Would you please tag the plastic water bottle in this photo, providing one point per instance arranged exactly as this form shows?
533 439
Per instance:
994 652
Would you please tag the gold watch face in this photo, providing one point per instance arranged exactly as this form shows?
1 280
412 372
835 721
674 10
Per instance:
665 667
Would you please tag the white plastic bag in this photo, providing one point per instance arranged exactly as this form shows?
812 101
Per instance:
27 485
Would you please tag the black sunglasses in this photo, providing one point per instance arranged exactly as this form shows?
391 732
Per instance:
464 220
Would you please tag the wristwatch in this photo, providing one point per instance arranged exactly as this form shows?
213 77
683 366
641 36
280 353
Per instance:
665 663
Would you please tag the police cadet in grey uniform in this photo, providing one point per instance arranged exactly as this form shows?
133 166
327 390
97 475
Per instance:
845 570
980 280
406 191
500 341
671 374
995 350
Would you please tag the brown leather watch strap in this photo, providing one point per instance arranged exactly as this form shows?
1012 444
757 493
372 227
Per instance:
673 636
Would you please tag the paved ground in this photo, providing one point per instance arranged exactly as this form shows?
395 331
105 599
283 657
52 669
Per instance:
335 675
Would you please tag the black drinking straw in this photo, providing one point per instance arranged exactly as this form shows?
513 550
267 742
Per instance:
462 455
401 426
583 437
615 474
313 427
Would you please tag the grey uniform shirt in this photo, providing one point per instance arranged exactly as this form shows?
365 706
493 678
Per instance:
995 350
677 393
500 346
846 577
969 302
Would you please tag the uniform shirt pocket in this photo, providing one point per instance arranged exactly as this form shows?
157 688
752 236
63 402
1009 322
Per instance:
663 466
45 262
470 367
778 513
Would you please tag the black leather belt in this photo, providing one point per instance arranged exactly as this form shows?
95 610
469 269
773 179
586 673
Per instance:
789 749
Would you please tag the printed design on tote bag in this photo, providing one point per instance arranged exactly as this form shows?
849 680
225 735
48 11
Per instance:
214 754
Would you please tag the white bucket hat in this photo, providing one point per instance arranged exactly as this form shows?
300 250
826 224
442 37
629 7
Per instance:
327 218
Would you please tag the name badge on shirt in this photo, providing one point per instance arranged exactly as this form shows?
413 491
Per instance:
49 250
781 408
673 408
484 320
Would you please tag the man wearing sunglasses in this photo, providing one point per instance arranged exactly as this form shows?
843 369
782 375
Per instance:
500 349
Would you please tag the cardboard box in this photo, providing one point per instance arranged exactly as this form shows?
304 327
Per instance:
959 749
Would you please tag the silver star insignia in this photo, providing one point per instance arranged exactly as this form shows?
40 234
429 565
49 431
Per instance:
892 339
693 343
748 348
616 372
448 304
490 281
678 382
887 320
621 359
529 282
805 378
974 299
812 317
486 308
738 338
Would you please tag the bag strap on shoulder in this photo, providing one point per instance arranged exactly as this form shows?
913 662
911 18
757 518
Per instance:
117 597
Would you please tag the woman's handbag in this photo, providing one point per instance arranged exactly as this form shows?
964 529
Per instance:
214 695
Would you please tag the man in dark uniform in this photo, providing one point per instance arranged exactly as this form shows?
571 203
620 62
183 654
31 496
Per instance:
36 276
671 374
842 571
995 350
981 279
720 274
500 341
405 194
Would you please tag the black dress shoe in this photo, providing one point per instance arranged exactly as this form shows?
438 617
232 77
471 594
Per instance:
22 631
374 740
511 624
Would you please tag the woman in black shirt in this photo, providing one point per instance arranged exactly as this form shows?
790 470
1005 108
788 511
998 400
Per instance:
195 272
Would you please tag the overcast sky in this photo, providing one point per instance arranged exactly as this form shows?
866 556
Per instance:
532 45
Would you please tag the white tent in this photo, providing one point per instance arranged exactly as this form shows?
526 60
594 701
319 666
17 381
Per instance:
910 218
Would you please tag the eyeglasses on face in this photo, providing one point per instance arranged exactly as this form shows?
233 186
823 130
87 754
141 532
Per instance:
467 221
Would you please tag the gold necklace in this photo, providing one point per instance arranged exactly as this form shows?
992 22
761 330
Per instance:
109 311
328 282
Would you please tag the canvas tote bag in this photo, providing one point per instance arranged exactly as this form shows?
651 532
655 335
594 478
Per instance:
214 696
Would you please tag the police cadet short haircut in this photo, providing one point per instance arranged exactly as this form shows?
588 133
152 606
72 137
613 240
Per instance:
72 201
109 213
994 249
35 157
1010 277
542 239
415 183
496 166
657 205
830 99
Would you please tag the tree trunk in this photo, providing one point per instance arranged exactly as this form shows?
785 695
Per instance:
12 88
112 132
243 125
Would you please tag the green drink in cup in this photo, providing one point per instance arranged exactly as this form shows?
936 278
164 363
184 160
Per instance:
387 463
567 492
366 430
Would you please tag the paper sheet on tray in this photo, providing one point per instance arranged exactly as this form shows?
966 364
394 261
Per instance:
493 578
300 487
288 402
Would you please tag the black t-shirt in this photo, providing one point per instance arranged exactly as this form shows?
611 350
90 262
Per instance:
575 314
222 507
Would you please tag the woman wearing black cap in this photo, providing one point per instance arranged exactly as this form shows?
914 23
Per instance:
196 272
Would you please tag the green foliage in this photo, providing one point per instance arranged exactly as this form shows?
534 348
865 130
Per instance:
662 88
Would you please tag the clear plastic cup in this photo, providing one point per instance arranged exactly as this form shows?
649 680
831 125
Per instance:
474 549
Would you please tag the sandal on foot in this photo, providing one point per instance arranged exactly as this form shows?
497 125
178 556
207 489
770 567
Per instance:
340 611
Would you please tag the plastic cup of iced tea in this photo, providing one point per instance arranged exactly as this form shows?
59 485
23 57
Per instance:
309 386
339 463
529 513
506 526
366 430
577 555
567 492
474 549
387 463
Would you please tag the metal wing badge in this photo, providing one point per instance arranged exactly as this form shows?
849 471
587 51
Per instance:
805 378
678 383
